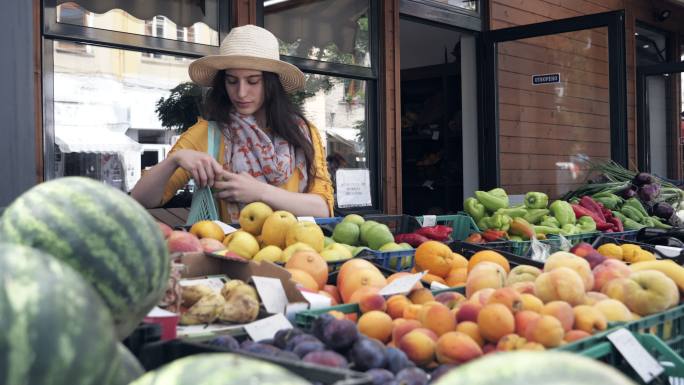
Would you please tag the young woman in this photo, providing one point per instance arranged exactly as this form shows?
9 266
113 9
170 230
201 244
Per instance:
267 150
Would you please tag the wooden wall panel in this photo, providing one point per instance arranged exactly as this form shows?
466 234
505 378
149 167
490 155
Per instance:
244 12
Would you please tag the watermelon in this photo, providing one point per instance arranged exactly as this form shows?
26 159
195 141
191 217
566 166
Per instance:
534 368
55 328
103 234
130 366
219 369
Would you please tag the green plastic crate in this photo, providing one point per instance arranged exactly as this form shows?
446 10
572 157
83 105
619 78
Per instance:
462 225
577 238
600 348
305 318
668 325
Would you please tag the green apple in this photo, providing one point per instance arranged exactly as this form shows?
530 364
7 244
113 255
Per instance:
327 241
354 218
391 246
406 246
346 232
363 231
378 236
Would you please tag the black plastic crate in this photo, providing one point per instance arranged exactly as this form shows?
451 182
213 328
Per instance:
144 334
468 249
161 353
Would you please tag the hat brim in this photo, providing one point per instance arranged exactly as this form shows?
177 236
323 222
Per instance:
203 70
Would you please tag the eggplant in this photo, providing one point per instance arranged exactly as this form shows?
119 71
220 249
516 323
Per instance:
649 192
663 210
629 192
642 179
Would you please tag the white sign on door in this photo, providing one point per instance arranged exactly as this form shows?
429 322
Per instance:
353 188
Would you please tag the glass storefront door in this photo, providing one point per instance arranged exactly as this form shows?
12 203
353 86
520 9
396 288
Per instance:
556 101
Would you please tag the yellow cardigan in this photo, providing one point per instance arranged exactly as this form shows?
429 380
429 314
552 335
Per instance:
195 138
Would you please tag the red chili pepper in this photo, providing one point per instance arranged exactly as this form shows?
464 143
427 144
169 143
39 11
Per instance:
438 233
494 235
474 238
412 239
605 226
593 206
617 224
582 211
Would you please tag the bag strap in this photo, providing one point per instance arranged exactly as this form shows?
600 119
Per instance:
213 139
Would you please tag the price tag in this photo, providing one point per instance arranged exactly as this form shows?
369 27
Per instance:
227 229
316 301
429 220
353 187
272 293
638 358
669 251
434 285
267 328
215 283
402 285
293 308
435 135
306 219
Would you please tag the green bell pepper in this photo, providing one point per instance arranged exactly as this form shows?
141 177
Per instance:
550 221
563 212
536 200
629 224
474 208
619 215
648 222
658 224
546 230
636 204
610 201
632 213
515 238
535 216
493 200
513 212
586 224
568 229
483 223
500 222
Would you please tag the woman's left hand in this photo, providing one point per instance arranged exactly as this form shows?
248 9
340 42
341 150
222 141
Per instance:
242 187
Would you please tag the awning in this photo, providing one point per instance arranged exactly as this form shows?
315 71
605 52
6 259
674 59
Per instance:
71 139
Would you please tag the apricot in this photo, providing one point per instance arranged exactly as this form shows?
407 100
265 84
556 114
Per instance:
594 297
470 328
468 312
419 346
402 328
495 321
524 318
561 283
579 265
376 324
608 270
574 335
456 347
485 275
437 318
362 292
614 310
507 297
481 296
531 302
510 342
371 302
421 296
450 299
411 311
396 305
589 319
546 330
526 287
562 311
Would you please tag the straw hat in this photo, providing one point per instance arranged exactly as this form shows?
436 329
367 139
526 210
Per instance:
247 47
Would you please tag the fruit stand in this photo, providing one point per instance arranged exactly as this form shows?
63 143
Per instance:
353 300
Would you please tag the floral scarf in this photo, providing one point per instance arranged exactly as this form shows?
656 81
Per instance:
268 158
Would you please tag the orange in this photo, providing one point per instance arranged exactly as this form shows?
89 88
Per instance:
435 257
303 278
491 256
312 263
207 229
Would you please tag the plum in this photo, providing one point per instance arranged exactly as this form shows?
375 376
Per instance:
397 360
368 353
306 347
326 358
228 342
319 324
380 376
268 341
287 355
246 343
412 376
296 340
259 348
283 335
440 371
340 334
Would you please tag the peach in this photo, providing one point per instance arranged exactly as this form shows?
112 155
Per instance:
419 346
468 312
495 321
613 310
574 335
376 324
356 279
586 251
609 270
510 342
561 283
456 347
522 273
470 328
524 318
402 328
450 298
532 346
593 297
437 318
546 330
615 289
530 302
337 314
209 245
362 292
524 287
353 265
332 290
507 297
165 229
183 242
372 301
562 311
396 305
481 296
571 261
589 319
648 292
485 275
421 296
411 311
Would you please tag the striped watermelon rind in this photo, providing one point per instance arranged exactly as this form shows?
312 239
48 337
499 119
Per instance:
219 369
55 328
102 233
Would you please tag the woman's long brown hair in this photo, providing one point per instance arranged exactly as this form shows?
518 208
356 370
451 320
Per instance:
282 115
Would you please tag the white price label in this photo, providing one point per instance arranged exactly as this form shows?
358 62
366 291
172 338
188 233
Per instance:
638 358
267 328
402 285
215 283
434 285
272 293
429 220
353 188
306 219
227 229
669 251
316 301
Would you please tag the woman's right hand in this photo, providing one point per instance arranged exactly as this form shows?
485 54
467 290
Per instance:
202 166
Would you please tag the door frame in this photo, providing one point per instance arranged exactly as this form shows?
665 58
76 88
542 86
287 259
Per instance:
643 129
489 124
